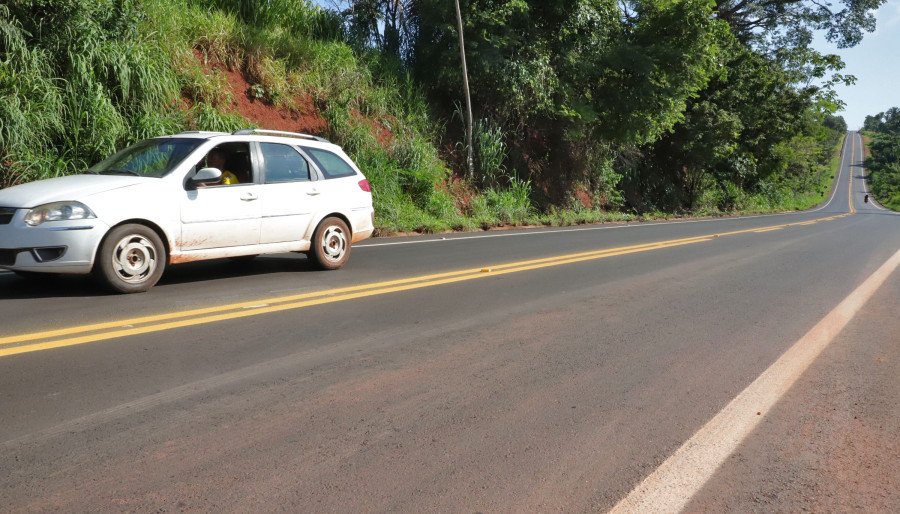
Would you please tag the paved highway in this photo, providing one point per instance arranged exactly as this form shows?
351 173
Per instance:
708 365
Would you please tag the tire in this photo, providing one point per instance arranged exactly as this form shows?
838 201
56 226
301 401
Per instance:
131 259
331 244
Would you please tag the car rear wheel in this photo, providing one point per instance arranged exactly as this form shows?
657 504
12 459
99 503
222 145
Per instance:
131 259
331 244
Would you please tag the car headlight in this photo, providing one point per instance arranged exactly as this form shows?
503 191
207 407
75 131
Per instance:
58 211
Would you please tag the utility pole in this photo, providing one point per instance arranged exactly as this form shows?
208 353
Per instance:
462 55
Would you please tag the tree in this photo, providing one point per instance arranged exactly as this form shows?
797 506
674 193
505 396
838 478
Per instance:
383 24
750 125
680 97
835 123
844 22
465 73
570 78
873 123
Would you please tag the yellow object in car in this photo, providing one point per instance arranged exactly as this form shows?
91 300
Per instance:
229 178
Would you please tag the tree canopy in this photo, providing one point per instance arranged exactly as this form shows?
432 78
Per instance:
660 100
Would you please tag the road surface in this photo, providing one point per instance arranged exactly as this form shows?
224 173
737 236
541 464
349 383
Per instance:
707 365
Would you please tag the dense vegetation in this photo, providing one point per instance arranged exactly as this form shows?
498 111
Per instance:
586 109
884 163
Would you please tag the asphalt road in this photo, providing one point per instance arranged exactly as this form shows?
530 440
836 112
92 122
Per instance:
506 371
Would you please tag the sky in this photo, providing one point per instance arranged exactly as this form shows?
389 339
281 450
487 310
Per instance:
876 64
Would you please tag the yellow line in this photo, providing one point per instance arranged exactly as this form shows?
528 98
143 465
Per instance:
121 324
168 321
319 301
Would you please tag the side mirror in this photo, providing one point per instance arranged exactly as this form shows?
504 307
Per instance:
206 176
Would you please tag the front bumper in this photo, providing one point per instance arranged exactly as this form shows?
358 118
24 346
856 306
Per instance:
52 247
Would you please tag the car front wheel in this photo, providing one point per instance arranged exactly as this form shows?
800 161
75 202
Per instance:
131 259
331 244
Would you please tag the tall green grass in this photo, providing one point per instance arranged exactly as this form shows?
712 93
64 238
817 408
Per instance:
80 79
77 81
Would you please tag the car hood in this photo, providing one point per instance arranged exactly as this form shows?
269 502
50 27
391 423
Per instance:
74 187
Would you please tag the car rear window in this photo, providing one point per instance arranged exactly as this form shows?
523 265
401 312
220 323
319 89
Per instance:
331 164
283 164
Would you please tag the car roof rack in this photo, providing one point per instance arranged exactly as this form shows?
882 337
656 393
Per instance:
206 132
266 132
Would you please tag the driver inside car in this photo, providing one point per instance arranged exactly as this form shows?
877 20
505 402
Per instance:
216 159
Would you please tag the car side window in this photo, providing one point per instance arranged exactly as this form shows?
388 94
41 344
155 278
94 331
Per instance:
233 160
331 164
283 163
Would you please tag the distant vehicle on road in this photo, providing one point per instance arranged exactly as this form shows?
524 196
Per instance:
189 197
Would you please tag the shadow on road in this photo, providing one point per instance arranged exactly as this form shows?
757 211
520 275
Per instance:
14 287
225 268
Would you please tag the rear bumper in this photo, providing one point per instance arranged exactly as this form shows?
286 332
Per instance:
53 247
363 221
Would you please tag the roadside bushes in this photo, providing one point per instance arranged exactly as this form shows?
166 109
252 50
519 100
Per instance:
884 164
82 78
77 81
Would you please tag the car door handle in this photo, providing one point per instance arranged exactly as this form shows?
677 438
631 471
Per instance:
248 197
313 192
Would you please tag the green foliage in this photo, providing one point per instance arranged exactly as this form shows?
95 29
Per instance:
749 129
301 18
844 21
649 106
563 80
511 205
490 154
77 81
885 122
884 164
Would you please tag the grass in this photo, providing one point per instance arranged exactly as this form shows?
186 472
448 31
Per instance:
883 169
79 80
792 194
809 199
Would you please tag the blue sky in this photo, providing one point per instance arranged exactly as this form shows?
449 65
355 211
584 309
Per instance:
876 64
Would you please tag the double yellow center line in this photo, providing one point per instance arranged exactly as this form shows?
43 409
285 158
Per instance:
82 334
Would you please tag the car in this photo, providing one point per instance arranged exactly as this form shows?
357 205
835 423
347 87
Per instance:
189 197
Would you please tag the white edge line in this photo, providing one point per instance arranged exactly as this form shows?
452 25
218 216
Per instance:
837 180
672 486
627 225
562 230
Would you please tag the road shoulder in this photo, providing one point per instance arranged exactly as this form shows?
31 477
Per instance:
832 442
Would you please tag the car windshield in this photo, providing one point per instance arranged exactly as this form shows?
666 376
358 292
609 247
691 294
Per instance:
150 158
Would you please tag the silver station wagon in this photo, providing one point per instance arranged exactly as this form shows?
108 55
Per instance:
189 197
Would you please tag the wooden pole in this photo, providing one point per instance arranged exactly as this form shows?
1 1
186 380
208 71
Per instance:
462 55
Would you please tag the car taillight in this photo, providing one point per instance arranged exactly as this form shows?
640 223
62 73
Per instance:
364 185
